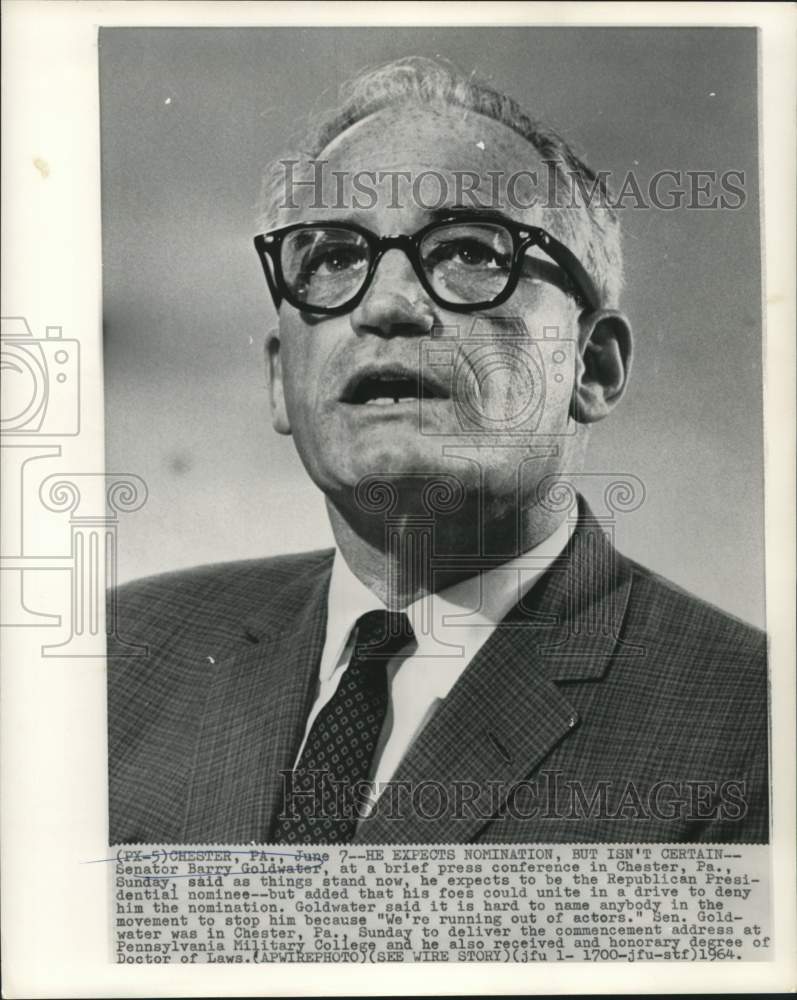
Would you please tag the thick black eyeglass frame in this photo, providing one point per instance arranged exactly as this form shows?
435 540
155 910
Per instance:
269 248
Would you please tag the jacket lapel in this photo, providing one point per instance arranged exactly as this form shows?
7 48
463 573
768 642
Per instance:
254 717
506 713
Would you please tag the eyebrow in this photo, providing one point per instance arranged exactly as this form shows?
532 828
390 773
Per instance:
446 211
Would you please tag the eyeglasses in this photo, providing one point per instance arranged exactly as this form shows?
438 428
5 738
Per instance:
464 262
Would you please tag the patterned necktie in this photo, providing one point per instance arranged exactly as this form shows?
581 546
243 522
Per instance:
322 800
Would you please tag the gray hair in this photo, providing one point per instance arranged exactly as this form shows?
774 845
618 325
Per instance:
591 229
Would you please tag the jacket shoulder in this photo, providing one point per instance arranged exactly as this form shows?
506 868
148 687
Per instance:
215 597
670 609
709 663
287 566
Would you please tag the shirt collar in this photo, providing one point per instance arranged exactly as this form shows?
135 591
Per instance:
348 600
464 614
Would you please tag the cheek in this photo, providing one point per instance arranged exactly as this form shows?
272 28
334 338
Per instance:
521 385
507 382
305 359
544 370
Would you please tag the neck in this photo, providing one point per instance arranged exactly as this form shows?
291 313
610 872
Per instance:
403 558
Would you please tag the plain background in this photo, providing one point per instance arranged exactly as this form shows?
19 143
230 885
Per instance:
190 117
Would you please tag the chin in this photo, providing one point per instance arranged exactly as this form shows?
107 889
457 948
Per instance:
401 460
401 468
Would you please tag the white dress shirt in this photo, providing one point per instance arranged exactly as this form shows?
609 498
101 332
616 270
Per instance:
450 627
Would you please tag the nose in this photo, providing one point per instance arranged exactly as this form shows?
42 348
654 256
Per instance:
395 304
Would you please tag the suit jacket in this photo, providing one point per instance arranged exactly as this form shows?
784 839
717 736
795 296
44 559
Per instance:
608 706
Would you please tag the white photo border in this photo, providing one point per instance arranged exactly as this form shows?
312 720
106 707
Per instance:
56 936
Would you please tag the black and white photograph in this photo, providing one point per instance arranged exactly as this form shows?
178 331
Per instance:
440 355
397 568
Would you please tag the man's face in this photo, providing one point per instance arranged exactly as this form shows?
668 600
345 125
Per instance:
497 392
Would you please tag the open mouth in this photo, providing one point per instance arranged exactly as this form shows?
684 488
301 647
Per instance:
390 387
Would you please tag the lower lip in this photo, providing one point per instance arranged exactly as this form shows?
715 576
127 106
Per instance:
403 406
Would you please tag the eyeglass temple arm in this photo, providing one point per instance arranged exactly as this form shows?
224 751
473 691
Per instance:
572 266
267 262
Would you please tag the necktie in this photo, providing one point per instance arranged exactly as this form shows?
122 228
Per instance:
322 800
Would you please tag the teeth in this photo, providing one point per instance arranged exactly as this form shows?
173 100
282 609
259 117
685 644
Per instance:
387 401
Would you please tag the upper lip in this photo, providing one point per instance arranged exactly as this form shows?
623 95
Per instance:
418 383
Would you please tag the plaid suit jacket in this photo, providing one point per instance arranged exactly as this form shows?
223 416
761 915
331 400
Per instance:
608 706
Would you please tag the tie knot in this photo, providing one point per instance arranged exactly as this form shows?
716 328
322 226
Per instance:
382 633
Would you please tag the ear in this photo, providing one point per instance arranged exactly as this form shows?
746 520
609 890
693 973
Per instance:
279 412
603 365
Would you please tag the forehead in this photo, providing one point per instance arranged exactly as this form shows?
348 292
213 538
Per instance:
410 158
442 137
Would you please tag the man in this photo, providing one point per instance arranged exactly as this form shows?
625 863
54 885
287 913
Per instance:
474 661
